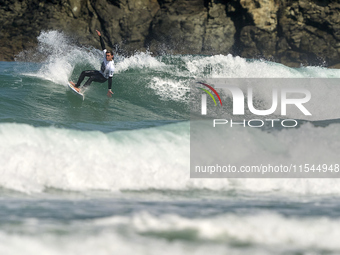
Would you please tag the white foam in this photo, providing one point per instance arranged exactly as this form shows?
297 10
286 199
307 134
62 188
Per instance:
259 229
62 56
221 66
257 233
140 60
101 243
169 89
35 158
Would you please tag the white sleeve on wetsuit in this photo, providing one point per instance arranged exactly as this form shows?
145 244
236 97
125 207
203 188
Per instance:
111 68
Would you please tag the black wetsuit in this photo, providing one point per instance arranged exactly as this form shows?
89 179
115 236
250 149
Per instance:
105 74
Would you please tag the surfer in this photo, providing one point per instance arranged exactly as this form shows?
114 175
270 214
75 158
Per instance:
105 73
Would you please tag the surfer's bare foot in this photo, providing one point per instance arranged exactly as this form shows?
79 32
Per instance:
74 85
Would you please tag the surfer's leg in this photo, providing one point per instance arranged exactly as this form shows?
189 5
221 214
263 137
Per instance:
84 74
95 76
89 81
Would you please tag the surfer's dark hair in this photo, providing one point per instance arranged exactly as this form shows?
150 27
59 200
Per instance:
110 51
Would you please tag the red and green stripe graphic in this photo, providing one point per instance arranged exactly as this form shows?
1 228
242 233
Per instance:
208 92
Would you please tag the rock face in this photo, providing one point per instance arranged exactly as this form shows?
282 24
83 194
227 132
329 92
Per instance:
22 21
291 32
192 27
312 32
125 22
294 33
259 38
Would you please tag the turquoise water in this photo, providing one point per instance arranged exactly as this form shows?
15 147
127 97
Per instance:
41 102
111 175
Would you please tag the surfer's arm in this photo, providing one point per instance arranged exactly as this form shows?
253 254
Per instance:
102 43
101 40
109 83
109 92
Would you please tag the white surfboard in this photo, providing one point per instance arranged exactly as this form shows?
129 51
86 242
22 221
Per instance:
75 91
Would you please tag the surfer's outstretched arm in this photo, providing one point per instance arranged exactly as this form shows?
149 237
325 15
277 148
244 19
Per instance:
101 40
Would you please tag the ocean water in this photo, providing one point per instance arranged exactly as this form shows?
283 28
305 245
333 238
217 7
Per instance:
111 175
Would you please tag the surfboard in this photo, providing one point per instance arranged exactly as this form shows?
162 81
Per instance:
75 91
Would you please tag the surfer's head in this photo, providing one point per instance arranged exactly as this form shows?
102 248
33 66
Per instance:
109 55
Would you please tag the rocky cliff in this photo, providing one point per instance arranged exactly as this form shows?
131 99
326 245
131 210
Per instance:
291 32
